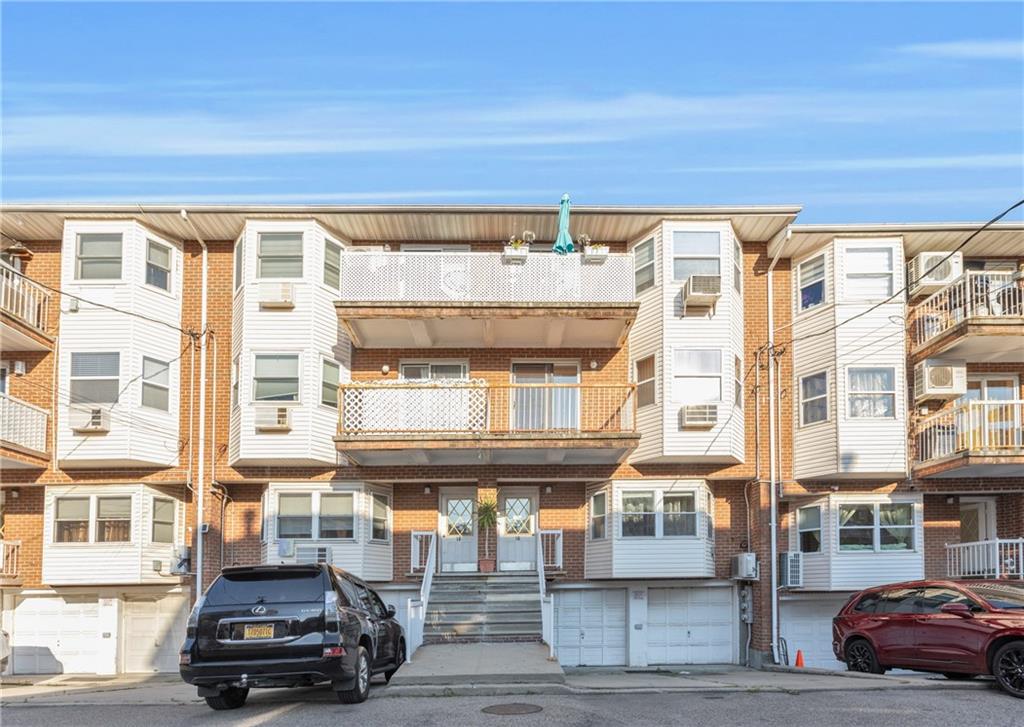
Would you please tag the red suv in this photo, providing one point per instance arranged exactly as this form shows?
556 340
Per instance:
958 628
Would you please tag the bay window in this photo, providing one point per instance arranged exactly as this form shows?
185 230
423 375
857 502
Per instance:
695 253
239 260
276 377
329 378
879 527
156 384
295 516
737 266
808 526
814 398
113 519
857 527
646 387
279 255
869 273
598 516
95 378
679 512
380 528
337 516
643 265
697 375
71 520
163 520
811 275
872 392
332 264
98 256
158 265
638 515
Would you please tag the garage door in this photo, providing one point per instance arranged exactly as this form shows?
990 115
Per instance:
691 626
154 629
590 627
807 626
55 635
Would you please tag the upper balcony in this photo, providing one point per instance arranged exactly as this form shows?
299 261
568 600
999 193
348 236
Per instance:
473 422
979 317
23 309
484 299
973 439
23 441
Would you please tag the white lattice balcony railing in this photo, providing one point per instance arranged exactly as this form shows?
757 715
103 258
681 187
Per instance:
22 425
486 277
975 294
22 298
985 428
999 558
475 406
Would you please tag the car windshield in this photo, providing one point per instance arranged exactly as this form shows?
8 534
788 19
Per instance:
1000 595
283 586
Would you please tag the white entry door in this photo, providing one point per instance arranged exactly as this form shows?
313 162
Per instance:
154 629
56 635
458 532
517 530
590 627
691 626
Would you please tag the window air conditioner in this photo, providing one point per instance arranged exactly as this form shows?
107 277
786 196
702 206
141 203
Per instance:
313 554
946 272
273 419
702 290
935 379
277 296
698 416
791 570
744 567
285 548
89 418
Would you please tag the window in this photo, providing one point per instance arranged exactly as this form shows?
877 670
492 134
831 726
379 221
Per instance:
95 378
276 377
163 520
679 514
643 265
814 398
638 515
156 382
896 526
426 371
329 379
646 388
697 375
337 518
236 367
158 265
737 266
710 510
332 264
931 600
239 261
695 253
872 393
279 255
71 520
812 282
882 527
598 515
738 374
98 256
295 516
869 273
113 519
869 603
808 526
857 527
380 529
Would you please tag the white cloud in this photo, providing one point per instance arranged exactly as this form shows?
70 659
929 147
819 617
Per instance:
968 161
1008 50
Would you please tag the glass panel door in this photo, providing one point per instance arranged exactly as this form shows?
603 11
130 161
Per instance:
549 397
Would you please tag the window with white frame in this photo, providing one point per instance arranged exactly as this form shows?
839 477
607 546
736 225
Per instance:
697 375
279 255
811 274
643 265
709 509
598 515
814 398
433 370
98 256
646 386
295 516
332 264
876 527
158 265
737 266
71 520
738 378
808 526
679 514
95 377
239 260
163 520
380 526
872 392
275 377
337 516
156 384
695 253
113 519
638 515
330 376
236 370
869 273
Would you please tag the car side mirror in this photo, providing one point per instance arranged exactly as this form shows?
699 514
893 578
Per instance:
957 609
391 612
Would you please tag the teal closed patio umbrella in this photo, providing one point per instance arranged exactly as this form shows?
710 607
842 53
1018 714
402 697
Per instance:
563 243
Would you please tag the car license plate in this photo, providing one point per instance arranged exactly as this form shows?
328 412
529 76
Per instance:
258 631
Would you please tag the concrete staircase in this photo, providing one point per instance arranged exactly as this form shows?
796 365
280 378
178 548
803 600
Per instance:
469 607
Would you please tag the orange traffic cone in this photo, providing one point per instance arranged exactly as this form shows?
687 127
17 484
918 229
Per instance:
799 659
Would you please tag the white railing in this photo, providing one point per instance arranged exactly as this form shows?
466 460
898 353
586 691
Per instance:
976 293
417 607
1000 558
23 298
23 425
551 548
420 550
486 277
975 427
547 606
9 552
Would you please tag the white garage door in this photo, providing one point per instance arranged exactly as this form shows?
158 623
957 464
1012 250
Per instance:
154 629
55 635
590 627
691 626
807 626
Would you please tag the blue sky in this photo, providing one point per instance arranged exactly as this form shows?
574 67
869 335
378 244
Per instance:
859 112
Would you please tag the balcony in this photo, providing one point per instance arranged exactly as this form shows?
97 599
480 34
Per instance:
1001 558
474 422
979 317
974 439
23 309
22 434
482 299
10 551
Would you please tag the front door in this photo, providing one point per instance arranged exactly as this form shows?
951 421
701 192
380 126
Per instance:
517 530
458 532
977 526
992 426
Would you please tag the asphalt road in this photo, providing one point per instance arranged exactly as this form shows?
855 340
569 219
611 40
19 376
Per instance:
299 708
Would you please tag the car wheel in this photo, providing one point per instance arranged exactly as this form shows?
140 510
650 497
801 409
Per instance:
399 660
958 676
860 656
1008 668
361 688
231 698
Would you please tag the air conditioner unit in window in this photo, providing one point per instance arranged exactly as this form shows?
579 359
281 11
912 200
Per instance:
285 548
791 570
702 290
935 379
698 416
744 567
273 419
946 272
313 554
89 418
277 295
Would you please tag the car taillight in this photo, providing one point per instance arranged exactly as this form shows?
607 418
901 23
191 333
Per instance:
184 659
334 651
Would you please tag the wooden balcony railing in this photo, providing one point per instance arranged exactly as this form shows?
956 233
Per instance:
22 298
990 428
22 425
974 294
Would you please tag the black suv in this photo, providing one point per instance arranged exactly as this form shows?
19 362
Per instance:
288 626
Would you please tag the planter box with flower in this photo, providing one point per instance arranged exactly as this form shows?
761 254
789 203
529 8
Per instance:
517 248
592 252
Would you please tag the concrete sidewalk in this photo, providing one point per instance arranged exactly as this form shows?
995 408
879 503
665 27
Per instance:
483 663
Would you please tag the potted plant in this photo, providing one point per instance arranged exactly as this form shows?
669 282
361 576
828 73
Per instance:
592 252
517 248
487 520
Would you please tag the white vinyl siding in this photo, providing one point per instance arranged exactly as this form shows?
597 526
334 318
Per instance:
99 256
279 255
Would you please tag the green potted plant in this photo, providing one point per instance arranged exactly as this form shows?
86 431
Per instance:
487 520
